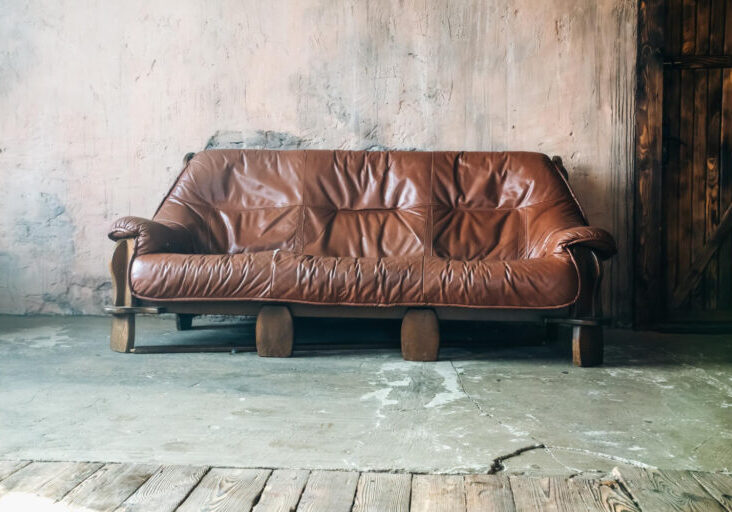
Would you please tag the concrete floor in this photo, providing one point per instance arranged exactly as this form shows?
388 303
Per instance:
660 400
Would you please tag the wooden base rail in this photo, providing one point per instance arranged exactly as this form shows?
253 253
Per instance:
274 335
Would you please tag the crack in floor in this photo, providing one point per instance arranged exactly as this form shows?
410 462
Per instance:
615 458
498 465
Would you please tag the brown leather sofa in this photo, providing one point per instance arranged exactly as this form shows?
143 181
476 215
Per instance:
420 236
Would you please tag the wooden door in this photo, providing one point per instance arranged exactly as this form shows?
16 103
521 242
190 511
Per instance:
696 166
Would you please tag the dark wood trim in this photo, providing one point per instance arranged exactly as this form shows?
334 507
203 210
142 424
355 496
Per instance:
699 61
648 159
305 347
700 262
251 308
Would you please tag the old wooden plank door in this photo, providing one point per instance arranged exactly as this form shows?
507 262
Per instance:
684 163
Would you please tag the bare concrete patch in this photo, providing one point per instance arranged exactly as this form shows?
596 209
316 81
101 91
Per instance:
658 402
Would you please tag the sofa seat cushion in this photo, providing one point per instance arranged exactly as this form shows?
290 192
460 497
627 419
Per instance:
536 283
278 275
549 282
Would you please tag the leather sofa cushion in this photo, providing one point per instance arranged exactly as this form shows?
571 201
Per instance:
547 282
462 205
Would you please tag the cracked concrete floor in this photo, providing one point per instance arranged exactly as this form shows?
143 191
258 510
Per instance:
660 400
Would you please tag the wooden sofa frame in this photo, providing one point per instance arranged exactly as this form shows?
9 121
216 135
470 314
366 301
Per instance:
420 337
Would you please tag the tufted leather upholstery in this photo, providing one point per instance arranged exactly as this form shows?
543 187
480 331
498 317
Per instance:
364 228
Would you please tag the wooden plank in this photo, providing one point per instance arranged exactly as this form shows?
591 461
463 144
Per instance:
672 31
699 178
604 495
702 27
696 272
226 489
329 490
108 487
716 27
488 492
165 490
724 300
671 136
688 27
8 467
648 161
728 29
551 494
47 480
377 492
698 61
718 486
714 106
666 490
444 493
686 163
559 494
283 491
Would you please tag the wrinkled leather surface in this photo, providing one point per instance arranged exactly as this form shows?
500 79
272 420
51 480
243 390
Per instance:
596 239
369 228
414 280
151 236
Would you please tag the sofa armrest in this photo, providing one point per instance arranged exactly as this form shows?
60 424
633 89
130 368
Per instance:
599 240
151 236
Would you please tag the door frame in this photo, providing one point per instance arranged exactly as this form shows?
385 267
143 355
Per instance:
647 210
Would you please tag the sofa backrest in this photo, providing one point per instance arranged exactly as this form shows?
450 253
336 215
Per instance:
460 205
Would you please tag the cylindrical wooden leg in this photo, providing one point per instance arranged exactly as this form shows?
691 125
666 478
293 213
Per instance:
183 322
420 335
587 345
274 332
122 338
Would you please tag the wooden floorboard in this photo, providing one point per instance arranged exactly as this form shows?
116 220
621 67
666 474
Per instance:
668 490
608 495
164 490
329 490
432 493
8 467
49 481
488 492
91 486
718 486
108 487
377 492
283 491
226 489
550 494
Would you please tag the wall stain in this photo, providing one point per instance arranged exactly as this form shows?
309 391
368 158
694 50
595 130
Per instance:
260 139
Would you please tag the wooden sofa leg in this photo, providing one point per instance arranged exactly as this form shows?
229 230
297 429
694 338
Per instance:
420 335
122 338
587 345
183 321
274 332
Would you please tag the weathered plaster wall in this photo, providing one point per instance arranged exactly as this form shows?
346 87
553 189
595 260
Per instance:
100 100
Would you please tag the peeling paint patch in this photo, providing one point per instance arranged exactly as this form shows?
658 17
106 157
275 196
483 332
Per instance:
260 139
